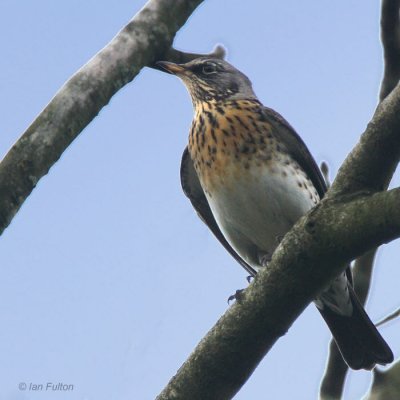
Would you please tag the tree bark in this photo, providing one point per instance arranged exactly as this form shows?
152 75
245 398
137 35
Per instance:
144 40
229 353
332 384
354 217
386 384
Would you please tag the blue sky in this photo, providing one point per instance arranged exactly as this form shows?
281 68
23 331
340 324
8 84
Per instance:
108 279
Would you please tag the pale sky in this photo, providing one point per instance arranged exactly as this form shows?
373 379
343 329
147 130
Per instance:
108 278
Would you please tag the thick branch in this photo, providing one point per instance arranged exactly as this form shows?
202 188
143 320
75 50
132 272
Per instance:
146 38
332 384
238 342
276 297
335 232
390 35
371 164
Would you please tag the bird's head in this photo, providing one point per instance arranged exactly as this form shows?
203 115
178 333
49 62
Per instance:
211 79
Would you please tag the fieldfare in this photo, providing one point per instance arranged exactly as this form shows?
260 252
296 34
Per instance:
250 177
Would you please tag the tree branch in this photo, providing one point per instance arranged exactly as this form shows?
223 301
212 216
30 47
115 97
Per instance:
390 36
332 383
181 57
229 353
145 39
367 169
386 384
388 318
371 164
371 170
233 348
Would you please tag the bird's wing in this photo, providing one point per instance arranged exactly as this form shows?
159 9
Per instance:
359 342
193 190
297 149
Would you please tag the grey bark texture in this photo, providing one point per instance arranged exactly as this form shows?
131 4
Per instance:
231 351
390 36
144 40
333 381
355 216
335 232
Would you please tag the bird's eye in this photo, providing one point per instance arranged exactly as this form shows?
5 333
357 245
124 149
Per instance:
209 69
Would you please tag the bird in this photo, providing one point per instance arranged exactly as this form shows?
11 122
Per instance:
250 177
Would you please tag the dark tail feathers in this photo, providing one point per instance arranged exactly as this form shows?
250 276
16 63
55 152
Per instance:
357 338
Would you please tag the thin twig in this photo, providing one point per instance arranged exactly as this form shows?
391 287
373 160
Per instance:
389 318
325 172
181 57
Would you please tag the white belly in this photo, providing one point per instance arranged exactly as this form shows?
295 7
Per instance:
257 210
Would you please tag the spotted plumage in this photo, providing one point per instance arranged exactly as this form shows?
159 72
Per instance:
250 177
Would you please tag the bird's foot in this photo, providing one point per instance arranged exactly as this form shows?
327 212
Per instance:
236 296
264 259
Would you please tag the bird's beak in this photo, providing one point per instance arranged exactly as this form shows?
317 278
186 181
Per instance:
176 69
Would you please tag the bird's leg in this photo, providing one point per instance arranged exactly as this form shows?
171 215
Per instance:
264 259
236 296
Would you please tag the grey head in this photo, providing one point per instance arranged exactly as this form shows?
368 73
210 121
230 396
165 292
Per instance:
211 79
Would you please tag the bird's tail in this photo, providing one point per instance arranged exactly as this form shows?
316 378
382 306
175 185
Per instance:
357 338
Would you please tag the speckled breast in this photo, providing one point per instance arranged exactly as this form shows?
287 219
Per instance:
256 191
227 141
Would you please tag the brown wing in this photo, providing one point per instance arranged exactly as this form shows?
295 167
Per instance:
193 190
297 149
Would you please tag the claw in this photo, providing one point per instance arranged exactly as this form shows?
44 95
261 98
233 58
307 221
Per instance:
265 259
237 296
